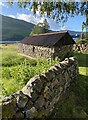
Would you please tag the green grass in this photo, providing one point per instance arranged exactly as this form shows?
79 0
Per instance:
74 103
17 70
81 41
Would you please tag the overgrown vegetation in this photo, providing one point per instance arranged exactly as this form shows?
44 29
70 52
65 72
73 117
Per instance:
17 70
81 41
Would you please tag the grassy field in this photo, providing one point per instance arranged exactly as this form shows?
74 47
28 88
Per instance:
17 70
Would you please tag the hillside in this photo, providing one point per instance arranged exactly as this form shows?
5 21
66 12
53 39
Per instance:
74 33
14 29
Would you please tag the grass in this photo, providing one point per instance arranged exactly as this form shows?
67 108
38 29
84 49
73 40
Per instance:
17 70
79 41
74 104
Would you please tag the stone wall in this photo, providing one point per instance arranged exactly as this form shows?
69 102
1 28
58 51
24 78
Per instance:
41 93
35 51
82 48
45 52
63 52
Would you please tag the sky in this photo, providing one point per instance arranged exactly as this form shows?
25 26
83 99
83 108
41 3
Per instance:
14 11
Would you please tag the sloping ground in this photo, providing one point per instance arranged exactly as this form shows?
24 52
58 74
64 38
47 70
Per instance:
75 101
14 29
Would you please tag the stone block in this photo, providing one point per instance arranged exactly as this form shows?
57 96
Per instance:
41 113
29 104
46 104
43 79
39 102
60 89
61 80
50 75
19 115
54 69
66 75
37 85
34 96
22 100
9 108
31 113
58 68
46 92
53 84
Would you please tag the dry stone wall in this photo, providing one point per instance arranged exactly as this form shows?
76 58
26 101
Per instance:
41 93
82 48
63 52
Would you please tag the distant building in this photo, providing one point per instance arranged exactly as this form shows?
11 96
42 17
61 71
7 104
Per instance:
49 45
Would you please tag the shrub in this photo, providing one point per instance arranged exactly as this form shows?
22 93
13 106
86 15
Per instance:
18 75
81 41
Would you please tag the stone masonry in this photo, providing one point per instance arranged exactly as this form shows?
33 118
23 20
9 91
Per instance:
41 93
82 48
45 52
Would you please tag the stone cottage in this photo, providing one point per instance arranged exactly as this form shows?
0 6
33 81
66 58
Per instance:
48 45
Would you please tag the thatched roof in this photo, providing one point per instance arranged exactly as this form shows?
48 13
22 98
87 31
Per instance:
49 39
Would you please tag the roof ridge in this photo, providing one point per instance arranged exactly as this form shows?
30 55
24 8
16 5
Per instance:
49 33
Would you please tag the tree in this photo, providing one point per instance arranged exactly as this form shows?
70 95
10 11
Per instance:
40 28
84 25
60 11
37 30
45 25
57 10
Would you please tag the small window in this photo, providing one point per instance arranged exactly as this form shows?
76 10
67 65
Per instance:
23 50
33 48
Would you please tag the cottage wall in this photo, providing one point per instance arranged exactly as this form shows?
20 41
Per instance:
45 52
62 52
36 51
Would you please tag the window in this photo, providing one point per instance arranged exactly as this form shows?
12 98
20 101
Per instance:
33 48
